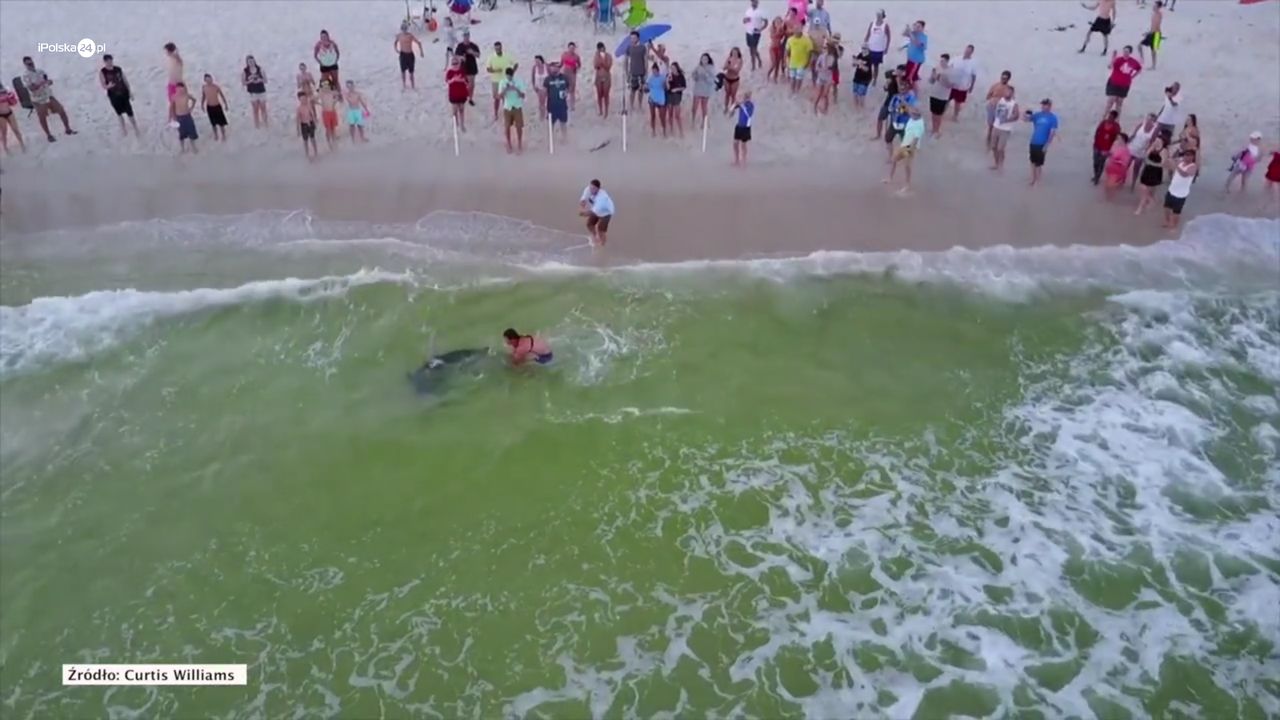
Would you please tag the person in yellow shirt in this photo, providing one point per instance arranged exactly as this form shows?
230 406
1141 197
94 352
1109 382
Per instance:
799 52
497 65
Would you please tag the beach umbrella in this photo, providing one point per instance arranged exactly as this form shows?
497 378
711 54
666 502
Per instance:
648 33
460 7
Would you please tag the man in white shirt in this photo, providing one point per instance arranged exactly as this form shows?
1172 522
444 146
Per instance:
754 22
1171 112
964 73
597 207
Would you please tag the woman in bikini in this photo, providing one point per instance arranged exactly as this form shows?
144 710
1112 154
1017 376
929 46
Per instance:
8 120
732 73
603 66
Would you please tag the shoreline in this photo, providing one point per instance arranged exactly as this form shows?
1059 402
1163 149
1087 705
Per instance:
670 207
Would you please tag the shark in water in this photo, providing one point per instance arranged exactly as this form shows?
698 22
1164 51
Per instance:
436 371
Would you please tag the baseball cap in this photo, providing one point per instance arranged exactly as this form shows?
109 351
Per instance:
1255 135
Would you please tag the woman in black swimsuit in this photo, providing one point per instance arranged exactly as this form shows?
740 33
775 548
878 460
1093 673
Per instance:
1152 175
732 71
255 82
675 93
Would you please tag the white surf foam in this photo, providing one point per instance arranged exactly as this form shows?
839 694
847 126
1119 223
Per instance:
72 328
1215 251
1101 476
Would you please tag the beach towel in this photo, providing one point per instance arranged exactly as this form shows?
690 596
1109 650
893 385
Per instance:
638 14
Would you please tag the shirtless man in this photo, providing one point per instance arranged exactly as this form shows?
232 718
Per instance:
994 95
1154 37
306 115
603 64
215 105
329 112
1103 23
174 64
405 41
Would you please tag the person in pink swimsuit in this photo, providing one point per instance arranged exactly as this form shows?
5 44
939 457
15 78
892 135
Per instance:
571 61
526 347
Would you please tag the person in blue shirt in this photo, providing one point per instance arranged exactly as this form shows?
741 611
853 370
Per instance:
917 50
597 207
657 87
746 113
899 113
1044 126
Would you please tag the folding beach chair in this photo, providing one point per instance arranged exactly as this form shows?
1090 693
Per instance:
606 15
638 14
24 96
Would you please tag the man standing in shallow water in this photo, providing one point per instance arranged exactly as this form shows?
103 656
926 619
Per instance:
597 207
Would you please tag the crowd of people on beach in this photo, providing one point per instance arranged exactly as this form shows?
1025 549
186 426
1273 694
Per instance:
804 51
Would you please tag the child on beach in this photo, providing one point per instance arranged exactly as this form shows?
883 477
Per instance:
215 104
512 92
306 115
357 111
746 111
656 86
329 112
183 104
306 82
1243 162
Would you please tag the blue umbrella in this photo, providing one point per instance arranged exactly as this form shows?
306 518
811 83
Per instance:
648 33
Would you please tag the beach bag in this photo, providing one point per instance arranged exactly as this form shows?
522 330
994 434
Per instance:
24 96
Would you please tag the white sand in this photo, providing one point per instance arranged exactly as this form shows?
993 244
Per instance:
1226 56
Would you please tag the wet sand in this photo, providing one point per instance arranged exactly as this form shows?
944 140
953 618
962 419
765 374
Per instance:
671 206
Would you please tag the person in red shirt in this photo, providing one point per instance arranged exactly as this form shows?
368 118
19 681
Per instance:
455 79
1103 138
1124 68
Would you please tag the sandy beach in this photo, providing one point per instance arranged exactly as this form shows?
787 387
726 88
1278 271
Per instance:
813 181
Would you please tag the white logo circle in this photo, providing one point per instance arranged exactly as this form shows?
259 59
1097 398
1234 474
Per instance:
86 48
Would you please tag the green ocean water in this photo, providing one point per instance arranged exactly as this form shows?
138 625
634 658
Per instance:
837 487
